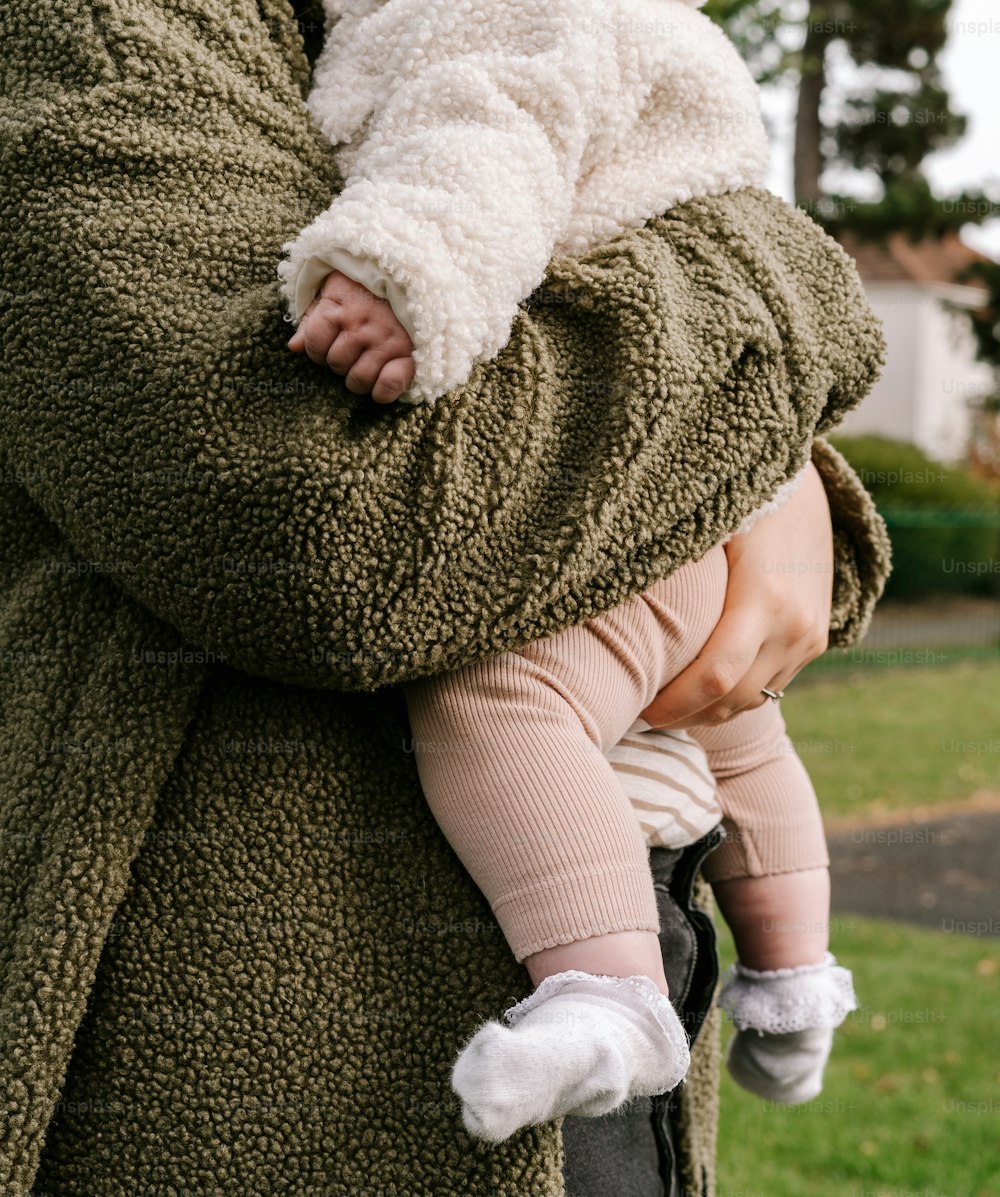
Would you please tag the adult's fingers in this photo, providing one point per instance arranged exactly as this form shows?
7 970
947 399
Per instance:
770 670
726 659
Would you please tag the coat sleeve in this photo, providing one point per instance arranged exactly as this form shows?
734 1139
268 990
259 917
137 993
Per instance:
464 175
652 393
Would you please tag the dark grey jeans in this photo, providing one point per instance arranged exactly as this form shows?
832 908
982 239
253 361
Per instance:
634 1153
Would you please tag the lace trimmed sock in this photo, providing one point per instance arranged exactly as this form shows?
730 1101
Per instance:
580 1044
785 1020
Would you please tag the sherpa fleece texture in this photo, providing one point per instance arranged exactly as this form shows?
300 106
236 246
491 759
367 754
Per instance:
478 139
236 955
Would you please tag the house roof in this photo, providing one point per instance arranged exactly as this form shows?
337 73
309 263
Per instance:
899 260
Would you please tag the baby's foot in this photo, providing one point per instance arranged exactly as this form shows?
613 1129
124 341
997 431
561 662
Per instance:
580 1044
785 1020
782 1068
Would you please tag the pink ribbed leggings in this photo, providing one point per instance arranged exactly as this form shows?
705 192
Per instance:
509 752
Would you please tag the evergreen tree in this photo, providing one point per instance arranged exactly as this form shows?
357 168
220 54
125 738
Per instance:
870 98
984 447
885 110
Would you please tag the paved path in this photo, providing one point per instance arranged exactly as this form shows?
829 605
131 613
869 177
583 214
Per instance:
938 623
939 868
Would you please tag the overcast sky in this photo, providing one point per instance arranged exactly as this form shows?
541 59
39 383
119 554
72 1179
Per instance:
971 65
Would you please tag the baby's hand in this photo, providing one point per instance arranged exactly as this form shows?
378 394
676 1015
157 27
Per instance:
356 333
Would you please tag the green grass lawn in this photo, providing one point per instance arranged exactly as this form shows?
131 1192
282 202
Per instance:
911 1104
894 738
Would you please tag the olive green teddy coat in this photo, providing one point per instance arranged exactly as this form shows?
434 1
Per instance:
236 955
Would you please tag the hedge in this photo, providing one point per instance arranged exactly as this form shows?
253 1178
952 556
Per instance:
944 522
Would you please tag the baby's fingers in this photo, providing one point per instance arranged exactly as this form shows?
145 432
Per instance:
317 331
394 377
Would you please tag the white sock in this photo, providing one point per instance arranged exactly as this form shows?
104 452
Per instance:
782 1068
785 1019
580 1044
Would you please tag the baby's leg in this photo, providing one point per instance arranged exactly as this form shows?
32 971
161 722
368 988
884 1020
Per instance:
770 876
787 993
780 921
509 752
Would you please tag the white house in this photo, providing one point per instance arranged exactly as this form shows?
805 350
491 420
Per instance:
931 372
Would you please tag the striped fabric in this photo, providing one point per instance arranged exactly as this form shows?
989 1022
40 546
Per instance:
666 777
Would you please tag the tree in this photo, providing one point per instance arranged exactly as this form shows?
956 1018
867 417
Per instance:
984 446
870 101
885 111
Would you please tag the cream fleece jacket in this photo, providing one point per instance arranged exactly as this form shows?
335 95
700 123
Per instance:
479 138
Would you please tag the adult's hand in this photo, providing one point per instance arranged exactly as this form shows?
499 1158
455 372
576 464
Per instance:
775 620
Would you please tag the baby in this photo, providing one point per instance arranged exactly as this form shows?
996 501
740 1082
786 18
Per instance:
478 139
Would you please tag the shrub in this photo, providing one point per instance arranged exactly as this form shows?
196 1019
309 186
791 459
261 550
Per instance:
944 522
